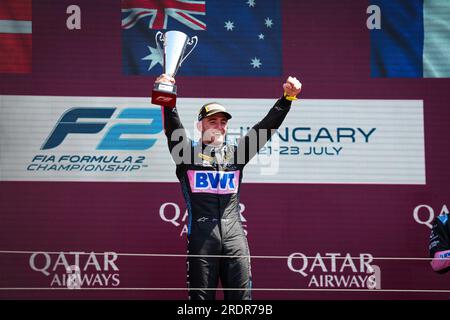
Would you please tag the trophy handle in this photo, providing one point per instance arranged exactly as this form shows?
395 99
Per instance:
192 42
159 37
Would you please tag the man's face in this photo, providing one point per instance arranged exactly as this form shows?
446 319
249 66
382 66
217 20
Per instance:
213 129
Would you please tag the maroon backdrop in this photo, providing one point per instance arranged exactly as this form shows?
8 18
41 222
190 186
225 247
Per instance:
327 45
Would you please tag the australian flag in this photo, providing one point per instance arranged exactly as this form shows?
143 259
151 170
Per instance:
236 37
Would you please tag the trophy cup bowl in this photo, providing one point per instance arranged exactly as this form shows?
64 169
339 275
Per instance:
174 44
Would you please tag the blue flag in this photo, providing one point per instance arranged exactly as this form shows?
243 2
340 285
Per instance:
414 39
236 37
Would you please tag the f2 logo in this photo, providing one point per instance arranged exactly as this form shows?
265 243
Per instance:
164 99
112 140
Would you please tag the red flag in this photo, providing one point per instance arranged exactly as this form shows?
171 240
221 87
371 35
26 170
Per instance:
15 36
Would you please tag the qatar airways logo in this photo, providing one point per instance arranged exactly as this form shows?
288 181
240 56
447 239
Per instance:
334 270
75 270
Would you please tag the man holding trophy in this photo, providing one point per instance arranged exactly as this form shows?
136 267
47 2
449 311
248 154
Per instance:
210 174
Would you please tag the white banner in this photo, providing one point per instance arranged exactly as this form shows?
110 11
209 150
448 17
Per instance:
48 138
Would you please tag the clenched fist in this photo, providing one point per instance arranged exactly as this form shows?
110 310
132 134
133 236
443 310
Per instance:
292 86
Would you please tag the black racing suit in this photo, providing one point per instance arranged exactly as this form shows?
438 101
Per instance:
210 180
440 242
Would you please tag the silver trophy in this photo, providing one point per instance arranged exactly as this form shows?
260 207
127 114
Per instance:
173 49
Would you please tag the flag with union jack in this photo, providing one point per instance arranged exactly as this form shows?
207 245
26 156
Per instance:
15 36
236 38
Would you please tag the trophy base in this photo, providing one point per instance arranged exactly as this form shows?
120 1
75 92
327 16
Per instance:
164 94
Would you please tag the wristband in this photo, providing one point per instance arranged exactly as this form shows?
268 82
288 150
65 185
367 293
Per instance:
290 98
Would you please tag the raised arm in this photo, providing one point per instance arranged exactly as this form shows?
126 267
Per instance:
177 139
261 132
